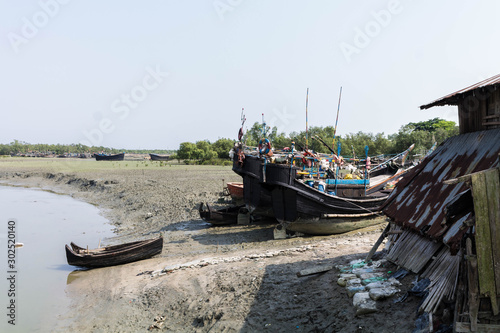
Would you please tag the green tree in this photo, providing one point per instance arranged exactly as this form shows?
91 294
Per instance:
423 134
186 151
222 147
204 151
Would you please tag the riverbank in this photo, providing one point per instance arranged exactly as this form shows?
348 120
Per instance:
245 291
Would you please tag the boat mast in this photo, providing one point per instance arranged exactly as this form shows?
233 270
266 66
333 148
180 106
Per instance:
337 120
307 99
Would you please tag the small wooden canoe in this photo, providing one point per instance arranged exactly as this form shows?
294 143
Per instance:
114 254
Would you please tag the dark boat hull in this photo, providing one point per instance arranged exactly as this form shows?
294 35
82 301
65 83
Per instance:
257 198
223 216
116 157
113 255
156 157
302 208
332 226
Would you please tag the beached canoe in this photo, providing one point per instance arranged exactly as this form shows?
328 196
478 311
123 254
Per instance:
156 157
114 254
104 157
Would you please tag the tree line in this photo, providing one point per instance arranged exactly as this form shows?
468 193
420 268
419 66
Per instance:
20 147
423 134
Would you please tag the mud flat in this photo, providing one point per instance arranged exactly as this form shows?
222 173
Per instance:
246 281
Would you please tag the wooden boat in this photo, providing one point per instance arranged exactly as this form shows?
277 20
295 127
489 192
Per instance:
222 216
301 206
156 157
104 157
114 254
235 191
257 198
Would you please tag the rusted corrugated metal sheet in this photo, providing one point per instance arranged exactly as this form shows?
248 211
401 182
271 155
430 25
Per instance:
452 99
419 199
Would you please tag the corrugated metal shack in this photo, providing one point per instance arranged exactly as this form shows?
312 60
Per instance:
478 105
445 214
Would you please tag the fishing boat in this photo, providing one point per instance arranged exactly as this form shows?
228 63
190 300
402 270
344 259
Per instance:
222 216
235 190
114 254
106 157
305 199
156 157
256 197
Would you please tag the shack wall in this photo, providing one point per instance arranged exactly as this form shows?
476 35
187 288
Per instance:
479 110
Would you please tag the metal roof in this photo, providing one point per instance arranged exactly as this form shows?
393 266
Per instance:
419 199
452 99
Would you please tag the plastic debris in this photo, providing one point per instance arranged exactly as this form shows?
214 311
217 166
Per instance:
420 288
381 293
364 304
373 279
401 273
353 290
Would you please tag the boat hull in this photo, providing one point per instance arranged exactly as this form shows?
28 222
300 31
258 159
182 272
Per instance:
116 157
303 208
332 226
235 191
257 198
113 255
156 157
223 216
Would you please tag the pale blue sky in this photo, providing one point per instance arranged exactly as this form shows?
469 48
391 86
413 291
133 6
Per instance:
95 71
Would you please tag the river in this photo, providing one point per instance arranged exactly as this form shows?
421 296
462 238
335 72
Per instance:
33 282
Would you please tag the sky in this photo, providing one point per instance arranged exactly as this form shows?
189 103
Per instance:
152 74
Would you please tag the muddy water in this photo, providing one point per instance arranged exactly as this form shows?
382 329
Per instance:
44 222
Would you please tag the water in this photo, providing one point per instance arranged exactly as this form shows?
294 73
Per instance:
44 222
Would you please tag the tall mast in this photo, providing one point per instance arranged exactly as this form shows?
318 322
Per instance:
307 99
336 121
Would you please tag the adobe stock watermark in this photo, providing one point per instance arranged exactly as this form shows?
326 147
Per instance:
39 20
364 36
223 6
281 119
120 107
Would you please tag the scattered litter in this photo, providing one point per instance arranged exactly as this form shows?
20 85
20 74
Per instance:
364 304
366 284
158 323
401 273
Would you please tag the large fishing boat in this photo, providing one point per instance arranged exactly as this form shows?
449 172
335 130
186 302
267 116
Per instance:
310 200
256 197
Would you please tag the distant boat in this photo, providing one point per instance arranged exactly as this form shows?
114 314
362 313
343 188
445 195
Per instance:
113 255
105 157
156 157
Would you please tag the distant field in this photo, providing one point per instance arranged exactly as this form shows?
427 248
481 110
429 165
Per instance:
88 165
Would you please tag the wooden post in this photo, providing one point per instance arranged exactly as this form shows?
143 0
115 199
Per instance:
377 244
493 187
481 193
472 286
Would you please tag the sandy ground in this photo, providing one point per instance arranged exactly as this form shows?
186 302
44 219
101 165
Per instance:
248 292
